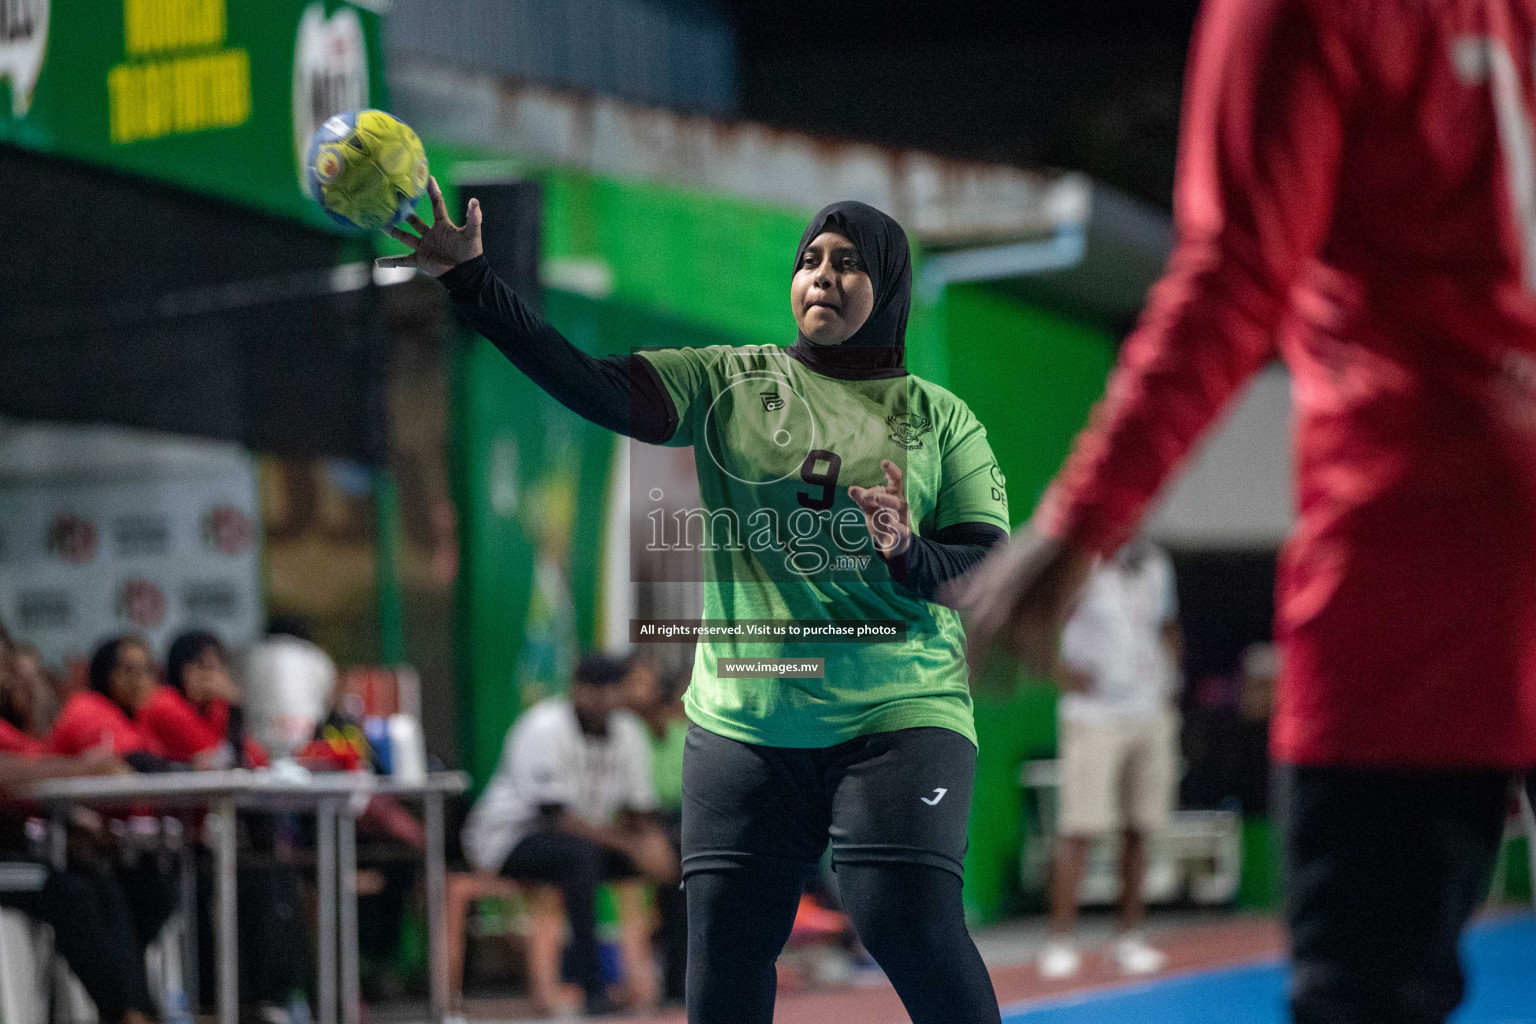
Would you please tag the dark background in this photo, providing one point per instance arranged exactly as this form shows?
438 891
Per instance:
1089 85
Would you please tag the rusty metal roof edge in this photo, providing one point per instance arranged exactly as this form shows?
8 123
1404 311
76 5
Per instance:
942 201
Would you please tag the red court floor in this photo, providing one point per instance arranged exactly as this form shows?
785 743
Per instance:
1204 944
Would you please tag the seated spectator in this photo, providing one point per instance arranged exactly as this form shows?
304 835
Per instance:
195 716
122 675
93 925
27 702
17 706
93 928
41 688
570 806
660 705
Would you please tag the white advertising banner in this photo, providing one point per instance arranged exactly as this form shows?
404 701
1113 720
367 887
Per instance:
80 562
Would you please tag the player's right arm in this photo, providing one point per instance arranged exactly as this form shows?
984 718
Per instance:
1267 97
621 393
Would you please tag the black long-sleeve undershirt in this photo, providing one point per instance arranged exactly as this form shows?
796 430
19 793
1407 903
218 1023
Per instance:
930 562
624 394
621 393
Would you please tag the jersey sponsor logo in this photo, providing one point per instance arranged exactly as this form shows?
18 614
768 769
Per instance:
772 402
938 794
998 483
907 429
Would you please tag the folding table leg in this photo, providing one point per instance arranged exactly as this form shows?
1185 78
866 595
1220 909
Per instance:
436 868
346 856
222 819
325 887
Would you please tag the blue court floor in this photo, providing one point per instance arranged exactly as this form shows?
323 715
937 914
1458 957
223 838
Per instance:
1500 955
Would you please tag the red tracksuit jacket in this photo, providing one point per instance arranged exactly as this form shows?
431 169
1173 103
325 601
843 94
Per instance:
1356 193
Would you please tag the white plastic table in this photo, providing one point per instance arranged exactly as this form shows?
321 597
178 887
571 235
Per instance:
335 799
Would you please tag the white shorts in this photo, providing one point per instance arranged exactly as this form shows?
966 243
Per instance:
1117 775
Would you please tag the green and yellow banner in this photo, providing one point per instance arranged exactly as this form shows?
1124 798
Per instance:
219 96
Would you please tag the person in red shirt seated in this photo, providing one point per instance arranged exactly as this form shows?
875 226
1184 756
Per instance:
15 717
18 711
196 715
92 921
122 675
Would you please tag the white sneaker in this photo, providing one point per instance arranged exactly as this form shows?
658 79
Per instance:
1060 959
1134 956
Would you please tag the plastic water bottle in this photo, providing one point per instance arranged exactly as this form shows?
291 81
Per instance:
376 730
176 1011
407 750
298 1008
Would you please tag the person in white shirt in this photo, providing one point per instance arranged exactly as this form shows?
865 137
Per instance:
289 683
571 806
1118 742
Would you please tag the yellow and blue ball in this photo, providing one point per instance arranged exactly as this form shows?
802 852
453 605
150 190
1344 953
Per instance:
366 169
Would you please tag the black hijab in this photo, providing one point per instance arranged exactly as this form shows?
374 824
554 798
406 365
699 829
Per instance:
877 349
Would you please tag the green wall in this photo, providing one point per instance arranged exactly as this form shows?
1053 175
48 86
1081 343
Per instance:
532 476
717 263
1031 378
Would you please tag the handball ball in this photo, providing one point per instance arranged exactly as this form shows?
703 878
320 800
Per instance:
366 169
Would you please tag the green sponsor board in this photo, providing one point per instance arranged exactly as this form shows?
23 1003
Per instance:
219 96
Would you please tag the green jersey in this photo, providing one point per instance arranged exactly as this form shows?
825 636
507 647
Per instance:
776 447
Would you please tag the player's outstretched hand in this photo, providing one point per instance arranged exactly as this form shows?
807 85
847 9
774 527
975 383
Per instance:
885 511
1020 597
437 249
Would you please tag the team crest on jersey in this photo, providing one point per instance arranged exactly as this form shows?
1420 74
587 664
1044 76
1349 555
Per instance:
772 402
907 429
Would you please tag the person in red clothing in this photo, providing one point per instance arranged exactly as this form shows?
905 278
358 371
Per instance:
14 741
122 674
1355 195
180 731
19 698
38 689
175 712
89 912
16 709
196 715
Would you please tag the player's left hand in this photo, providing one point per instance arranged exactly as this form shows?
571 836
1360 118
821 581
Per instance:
885 512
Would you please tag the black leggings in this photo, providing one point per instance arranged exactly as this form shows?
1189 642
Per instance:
908 915
93 931
576 866
1384 869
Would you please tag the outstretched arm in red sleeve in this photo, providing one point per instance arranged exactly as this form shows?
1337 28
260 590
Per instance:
1267 95
1264 119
